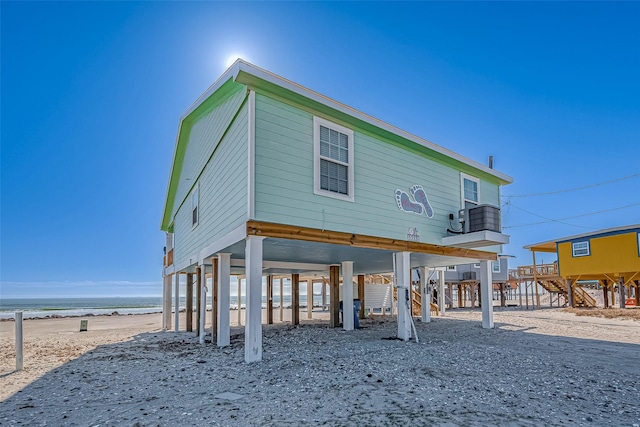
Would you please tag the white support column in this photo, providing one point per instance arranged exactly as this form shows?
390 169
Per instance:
442 300
19 342
253 312
347 296
224 300
177 303
166 303
324 295
281 299
486 285
203 301
309 299
425 288
240 302
402 276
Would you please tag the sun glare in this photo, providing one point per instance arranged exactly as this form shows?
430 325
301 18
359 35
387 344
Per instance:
231 59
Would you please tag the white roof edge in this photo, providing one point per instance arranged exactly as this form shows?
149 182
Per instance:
173 160
231 72
577 236
241 65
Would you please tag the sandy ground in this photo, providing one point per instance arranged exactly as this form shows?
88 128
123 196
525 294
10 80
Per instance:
536 367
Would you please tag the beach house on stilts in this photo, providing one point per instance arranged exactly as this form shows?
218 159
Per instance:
610 258
271 178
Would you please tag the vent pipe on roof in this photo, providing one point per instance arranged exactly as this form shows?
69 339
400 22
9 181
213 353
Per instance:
490 162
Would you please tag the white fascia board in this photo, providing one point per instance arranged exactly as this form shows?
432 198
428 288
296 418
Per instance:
307 93
477 239
238 234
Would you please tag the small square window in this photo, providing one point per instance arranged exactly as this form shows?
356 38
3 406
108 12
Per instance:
195 200
333 160
581 249
451 268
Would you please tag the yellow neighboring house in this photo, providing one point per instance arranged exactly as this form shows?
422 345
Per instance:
610 256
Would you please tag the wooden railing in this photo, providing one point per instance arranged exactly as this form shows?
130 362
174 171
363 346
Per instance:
527 271
417 303
582 297
168 258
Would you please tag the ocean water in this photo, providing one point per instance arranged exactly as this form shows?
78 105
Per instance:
73 307
68 307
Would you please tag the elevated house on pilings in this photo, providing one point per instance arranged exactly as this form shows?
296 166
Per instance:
463 283
609 257
270 178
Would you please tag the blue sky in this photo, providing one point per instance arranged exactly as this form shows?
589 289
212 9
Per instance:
92 93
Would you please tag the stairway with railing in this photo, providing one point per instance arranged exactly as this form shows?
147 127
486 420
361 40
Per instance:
547 276
416 306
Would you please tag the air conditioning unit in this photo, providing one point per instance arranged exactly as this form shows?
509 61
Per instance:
480 218
469 275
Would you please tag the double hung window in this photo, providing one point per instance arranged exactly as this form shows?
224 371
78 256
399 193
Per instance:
470 190
333 159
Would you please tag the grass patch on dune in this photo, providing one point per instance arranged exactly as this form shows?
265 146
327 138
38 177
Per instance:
608 313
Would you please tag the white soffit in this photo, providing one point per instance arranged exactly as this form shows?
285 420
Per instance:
476 239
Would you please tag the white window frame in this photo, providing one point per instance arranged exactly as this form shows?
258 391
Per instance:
195 192
463 200
317 122
493 266
476 265
588 248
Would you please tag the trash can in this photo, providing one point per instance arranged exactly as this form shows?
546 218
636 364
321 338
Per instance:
356 313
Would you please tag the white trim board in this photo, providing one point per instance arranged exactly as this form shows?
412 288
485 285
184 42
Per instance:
235 236
251 154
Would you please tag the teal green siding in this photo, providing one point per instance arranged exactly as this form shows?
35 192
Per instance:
489 194
284 180
222 185
203 136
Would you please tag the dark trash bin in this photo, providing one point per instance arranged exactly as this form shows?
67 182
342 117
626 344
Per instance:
356 313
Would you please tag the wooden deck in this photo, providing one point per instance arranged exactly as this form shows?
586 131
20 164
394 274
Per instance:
548 276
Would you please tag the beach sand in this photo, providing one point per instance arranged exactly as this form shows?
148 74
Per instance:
536 367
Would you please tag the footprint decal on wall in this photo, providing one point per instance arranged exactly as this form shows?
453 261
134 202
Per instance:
407 204
417 202
421 197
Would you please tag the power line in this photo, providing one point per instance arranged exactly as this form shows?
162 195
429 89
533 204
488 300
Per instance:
569 217
545 218
576 188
